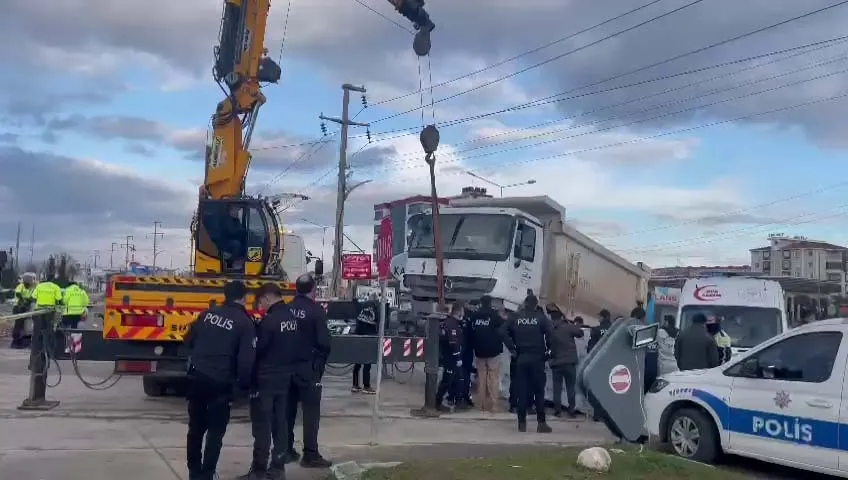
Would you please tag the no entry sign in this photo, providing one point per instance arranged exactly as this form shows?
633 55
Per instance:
620 379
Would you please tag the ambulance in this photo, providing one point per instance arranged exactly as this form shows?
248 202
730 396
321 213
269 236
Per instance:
750 309
782 402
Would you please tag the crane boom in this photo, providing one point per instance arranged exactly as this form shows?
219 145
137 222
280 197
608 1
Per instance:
241 66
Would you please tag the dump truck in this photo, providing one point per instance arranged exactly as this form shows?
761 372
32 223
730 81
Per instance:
507 247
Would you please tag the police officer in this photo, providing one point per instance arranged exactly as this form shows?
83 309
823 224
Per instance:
47 294
450 353
527 336
303 349
23 302
596 333
221 345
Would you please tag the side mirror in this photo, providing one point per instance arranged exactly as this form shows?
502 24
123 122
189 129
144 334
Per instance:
319 267
751 368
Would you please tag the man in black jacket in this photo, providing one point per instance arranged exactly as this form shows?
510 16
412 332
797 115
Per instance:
486 343
597 332
221 345
694 347
450 353
527 336
367 319
563 360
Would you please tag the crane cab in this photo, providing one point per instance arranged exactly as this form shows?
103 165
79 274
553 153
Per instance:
236 237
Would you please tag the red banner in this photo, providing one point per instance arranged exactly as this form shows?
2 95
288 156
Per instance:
384 248
356 266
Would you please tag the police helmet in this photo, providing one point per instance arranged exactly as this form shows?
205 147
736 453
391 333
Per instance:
305 284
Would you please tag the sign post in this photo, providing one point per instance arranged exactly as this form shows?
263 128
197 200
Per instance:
384 260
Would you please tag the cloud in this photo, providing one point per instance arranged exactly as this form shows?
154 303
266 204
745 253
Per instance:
82 205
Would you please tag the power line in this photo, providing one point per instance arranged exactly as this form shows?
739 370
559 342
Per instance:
306 155
712 92
731 213
720 235
520 55
549 60
670 59
644 138
552 98
285 31
384 17
636 122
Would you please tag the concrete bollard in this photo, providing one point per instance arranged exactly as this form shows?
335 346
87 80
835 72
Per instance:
42 330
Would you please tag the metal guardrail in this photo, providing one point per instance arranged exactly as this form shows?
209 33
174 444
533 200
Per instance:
31 314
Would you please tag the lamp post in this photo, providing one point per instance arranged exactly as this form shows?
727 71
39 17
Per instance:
323 234
498 185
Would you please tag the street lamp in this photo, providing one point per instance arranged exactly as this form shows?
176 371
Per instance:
323 234
501 187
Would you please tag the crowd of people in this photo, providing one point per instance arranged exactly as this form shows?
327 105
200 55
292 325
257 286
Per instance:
72 302
279 360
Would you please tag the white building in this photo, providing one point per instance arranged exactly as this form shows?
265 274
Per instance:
800 257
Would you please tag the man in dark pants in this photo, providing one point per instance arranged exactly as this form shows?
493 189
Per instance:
563 359
221 345
527 336
309 366
450 351
467 368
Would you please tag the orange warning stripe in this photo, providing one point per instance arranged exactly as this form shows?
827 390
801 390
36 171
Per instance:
155 311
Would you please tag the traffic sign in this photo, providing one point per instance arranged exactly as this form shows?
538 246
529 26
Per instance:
356 266
620 379
385 241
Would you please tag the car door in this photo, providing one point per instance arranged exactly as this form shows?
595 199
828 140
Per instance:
788 395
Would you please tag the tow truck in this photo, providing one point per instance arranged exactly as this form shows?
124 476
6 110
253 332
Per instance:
234 236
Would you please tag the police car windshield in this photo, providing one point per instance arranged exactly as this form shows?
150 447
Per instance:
468 236
746 326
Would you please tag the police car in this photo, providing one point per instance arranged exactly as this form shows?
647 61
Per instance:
781 402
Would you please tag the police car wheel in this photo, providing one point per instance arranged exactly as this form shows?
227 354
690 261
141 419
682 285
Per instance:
692 435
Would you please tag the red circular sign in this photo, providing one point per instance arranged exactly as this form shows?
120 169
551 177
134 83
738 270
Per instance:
620 379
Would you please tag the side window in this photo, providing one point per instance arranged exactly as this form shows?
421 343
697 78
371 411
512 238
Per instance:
256 228
526 243
809 357
210 233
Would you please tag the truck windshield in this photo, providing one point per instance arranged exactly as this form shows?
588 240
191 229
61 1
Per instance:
746 326
473 236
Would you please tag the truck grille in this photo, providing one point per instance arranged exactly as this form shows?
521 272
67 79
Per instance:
463 289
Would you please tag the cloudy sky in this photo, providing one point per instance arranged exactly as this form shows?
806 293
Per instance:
675 132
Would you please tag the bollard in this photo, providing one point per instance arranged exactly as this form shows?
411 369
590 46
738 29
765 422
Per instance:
431 369
42 328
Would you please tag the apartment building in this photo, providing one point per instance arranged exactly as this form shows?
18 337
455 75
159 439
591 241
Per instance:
800 257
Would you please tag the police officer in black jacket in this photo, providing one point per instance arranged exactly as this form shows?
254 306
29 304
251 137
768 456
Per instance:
221 344
527 336
307 357
450 353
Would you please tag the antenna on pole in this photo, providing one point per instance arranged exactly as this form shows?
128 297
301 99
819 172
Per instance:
156 234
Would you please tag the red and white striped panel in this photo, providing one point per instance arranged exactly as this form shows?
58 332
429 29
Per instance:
74 343
407 347
387 347
419 348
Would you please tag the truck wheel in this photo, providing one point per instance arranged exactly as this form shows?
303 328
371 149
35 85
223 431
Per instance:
153 387
692 435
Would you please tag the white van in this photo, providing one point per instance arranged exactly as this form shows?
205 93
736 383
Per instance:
751 309
784 401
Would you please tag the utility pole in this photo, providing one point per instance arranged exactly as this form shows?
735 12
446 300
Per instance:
96 256
343 190
17 249
32 245
112 254
156 234
128 246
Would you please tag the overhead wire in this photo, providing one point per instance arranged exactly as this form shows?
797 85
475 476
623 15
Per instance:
712 92
673 58
306 155
522 54
285 31
408 164
402 132
709 238
549 60
384 17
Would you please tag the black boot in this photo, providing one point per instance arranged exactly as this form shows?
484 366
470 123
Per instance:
315 461
543 428
522 426
292 456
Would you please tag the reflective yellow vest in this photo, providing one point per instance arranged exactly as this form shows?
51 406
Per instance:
47 294
76 300
23 293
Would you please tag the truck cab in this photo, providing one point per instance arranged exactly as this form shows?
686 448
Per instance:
487 251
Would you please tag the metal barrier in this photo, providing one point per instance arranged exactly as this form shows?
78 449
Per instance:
39 361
